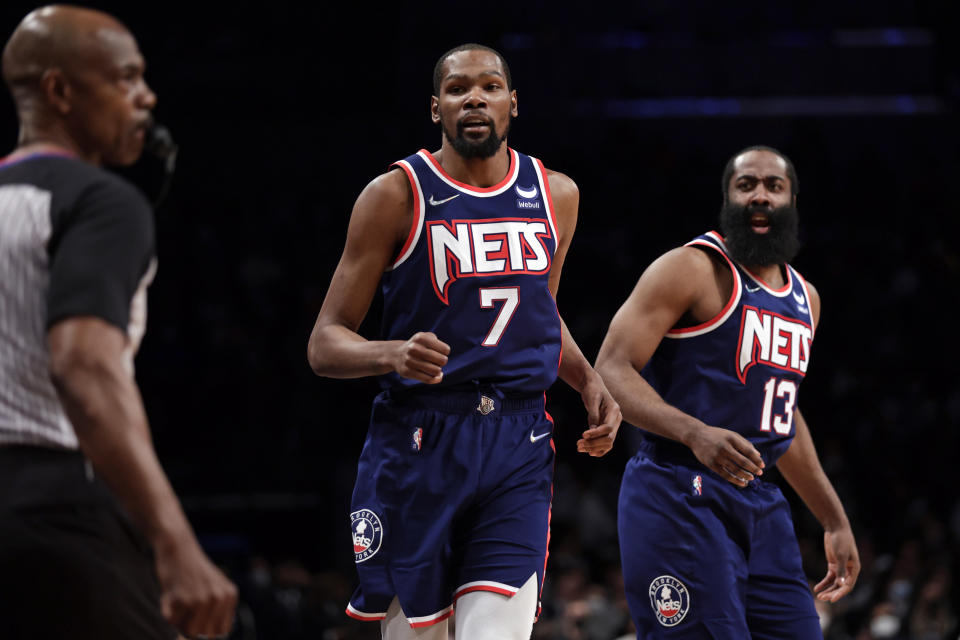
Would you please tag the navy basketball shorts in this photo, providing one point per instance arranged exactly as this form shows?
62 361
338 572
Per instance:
452 496
703 558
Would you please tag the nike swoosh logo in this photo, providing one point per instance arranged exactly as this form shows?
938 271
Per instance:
434 203
752 289
534 438
526 193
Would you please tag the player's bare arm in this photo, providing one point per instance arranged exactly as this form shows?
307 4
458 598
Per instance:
102 401
683 284
801 467
603 412
379 226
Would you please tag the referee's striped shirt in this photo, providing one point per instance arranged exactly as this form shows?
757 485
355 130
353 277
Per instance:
75 240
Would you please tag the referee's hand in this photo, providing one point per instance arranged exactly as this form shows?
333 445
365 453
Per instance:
195 595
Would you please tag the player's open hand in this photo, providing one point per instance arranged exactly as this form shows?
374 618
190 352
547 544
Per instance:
195 597
422 358
728 454
603 418
843 565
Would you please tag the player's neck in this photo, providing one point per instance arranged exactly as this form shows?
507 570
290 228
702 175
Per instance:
771 275
476 172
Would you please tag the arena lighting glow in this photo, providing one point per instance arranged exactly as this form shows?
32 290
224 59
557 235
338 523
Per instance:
800 38
798 106
891 37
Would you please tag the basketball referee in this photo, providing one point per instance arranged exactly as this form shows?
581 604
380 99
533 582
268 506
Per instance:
93 542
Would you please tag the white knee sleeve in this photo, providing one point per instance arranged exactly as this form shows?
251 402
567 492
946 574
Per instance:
396 627
482 615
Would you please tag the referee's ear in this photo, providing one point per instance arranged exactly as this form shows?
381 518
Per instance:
56 89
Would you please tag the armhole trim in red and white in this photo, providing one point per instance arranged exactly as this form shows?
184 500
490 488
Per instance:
544 180
725 313
416 228
806 293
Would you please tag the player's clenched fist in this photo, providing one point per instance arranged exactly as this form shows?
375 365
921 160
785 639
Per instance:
422 358
728 454
603 418
196 597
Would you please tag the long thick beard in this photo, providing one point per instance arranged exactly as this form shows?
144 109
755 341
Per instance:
485 148
779 245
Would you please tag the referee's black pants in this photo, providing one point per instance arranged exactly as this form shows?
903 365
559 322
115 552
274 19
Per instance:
71 564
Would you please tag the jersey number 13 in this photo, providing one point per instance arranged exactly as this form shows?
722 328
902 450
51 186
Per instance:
781 423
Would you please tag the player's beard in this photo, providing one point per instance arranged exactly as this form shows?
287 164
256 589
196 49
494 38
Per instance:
485 148
777 246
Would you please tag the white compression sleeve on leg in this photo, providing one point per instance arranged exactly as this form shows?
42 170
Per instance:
396 627
482 615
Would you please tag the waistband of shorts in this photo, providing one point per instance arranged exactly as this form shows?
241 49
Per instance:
484 400
667 451
33 475
662 450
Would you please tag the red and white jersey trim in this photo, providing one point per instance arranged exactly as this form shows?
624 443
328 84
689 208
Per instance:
361 615
485 585
809 305
482 192
547 200
731 306
779 293
426 621
416 229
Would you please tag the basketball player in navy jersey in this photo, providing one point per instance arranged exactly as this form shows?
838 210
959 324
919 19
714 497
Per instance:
706 356
452 500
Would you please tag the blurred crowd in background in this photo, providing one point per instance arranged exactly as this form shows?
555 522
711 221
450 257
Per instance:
283 115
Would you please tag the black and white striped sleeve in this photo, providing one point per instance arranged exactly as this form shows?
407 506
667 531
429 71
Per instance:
100 248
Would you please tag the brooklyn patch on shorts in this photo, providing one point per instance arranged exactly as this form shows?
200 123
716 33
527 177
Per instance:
703 558
669 600
450 500
367 534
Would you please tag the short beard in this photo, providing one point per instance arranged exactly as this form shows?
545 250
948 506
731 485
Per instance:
482 149
778 246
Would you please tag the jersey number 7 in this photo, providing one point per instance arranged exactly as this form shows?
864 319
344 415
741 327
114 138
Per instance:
510 296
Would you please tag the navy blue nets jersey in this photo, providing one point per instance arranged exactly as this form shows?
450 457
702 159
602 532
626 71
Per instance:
742 369
474 270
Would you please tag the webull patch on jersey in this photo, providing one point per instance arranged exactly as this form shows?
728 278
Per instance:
529 192
774 340
670 600
527 195
367 534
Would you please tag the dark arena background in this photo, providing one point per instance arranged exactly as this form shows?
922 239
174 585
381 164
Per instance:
284 112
